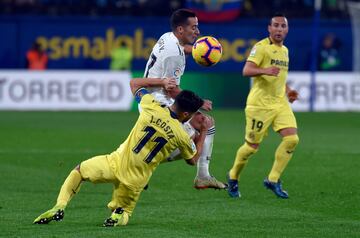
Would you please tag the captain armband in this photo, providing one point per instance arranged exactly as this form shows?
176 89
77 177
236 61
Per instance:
140 93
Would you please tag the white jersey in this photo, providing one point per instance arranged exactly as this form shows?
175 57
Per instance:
167 59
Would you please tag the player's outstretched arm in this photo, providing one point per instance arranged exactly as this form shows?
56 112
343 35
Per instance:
251 69
166 83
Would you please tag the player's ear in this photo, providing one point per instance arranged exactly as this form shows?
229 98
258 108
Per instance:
184 116
287 29
180 29
188 115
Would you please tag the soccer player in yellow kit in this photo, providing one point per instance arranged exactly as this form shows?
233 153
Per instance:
157 133
267 105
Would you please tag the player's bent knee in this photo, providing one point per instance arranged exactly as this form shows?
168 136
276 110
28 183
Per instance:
291 141
253 145
77 167
77 170
198 119
247 149
210 118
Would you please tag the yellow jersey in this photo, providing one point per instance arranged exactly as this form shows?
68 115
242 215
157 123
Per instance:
268 91
155 135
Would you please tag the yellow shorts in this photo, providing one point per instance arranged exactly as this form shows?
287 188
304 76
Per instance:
98 170
258 121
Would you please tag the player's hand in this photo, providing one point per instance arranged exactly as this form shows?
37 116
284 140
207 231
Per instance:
292 95
207 106
272 71
169 83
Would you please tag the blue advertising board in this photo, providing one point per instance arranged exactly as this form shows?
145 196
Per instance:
86 43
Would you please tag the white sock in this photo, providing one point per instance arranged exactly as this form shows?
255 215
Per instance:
204 160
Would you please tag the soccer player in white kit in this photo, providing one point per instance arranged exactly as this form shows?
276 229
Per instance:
167 60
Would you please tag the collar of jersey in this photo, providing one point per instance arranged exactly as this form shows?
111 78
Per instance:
172 35
272 43
173 114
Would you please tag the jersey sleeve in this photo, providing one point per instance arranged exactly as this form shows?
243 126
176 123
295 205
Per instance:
140 93
188 149
147 100
173 67
257 54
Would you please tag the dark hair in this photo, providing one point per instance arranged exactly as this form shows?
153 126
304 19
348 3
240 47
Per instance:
278 14
188 101
180 17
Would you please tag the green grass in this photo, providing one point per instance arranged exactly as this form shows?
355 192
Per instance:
38 149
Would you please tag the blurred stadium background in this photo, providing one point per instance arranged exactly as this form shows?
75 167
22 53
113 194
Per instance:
80 35
40 142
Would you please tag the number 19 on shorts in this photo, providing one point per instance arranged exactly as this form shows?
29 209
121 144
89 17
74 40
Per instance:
257 125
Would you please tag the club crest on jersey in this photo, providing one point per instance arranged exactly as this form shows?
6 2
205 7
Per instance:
177 73
193 146
252 135
253 51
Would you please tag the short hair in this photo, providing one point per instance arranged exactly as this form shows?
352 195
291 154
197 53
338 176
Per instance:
188 101
278 14
180 17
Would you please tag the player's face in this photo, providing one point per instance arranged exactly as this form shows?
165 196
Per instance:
190 32
278 29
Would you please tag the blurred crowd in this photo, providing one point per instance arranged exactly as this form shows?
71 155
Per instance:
89 7
249 8
295 8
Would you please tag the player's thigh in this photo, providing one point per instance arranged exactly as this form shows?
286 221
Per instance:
125 197
257 124
97 170
285 118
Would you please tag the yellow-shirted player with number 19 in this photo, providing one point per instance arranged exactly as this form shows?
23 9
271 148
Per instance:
268 105
157 133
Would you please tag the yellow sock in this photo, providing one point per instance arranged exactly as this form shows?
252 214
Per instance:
283 155
69 188
241 159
